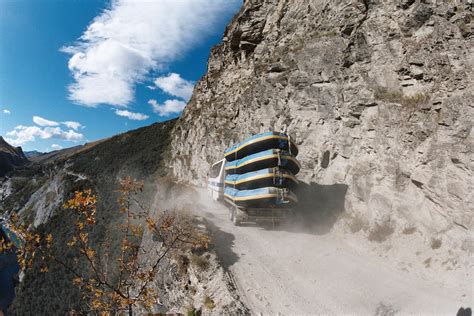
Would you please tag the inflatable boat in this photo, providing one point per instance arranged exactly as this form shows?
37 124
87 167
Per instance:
261 142
270 177
265 159
264 197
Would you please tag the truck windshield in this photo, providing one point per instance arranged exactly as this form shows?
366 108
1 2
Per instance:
215 170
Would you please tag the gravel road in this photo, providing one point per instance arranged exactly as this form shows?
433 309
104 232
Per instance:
283 272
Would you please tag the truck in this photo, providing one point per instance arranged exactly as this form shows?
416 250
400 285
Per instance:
256 185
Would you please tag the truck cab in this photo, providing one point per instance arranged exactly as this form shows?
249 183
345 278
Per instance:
215 182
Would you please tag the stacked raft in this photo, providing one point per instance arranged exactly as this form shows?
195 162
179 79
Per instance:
260 171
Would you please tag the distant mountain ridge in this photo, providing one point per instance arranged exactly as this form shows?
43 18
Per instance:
37 192
10 157
33 153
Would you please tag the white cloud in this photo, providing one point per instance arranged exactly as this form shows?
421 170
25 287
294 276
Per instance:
23 134
176 86
44 122
5 111
130 39
71 124
169 107
131 115
56 146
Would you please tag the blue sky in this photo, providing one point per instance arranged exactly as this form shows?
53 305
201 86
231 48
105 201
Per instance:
73 71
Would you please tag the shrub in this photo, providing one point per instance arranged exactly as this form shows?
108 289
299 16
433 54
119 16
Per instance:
109 282
201 262
415 100
191 311
209 303
397 96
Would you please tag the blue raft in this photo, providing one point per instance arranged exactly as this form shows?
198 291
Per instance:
266 159
261 142
263 197
268 177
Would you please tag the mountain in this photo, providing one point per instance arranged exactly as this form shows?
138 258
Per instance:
38 192
378 95
10 157
33 153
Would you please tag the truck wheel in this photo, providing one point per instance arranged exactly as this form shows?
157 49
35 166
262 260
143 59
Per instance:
231 213
236 221
235 216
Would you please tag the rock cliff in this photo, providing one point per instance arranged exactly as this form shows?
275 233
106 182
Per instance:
378 94
10 157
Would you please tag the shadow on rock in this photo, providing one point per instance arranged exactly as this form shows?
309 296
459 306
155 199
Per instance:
464 312
222 243
319 207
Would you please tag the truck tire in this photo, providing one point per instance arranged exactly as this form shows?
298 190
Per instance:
234 217
231 213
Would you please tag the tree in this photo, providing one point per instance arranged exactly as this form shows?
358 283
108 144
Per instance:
120 281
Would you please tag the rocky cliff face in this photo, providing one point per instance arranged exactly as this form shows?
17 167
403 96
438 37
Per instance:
378 94
10 157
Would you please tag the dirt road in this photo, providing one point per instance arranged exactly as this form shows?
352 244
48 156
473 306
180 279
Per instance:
278 271
289 272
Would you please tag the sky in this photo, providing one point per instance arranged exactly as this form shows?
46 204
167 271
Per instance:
74 71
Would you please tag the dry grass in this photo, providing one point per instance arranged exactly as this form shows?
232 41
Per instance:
415 100
209 303
201 262
191 311
182 262
397 96
388 95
